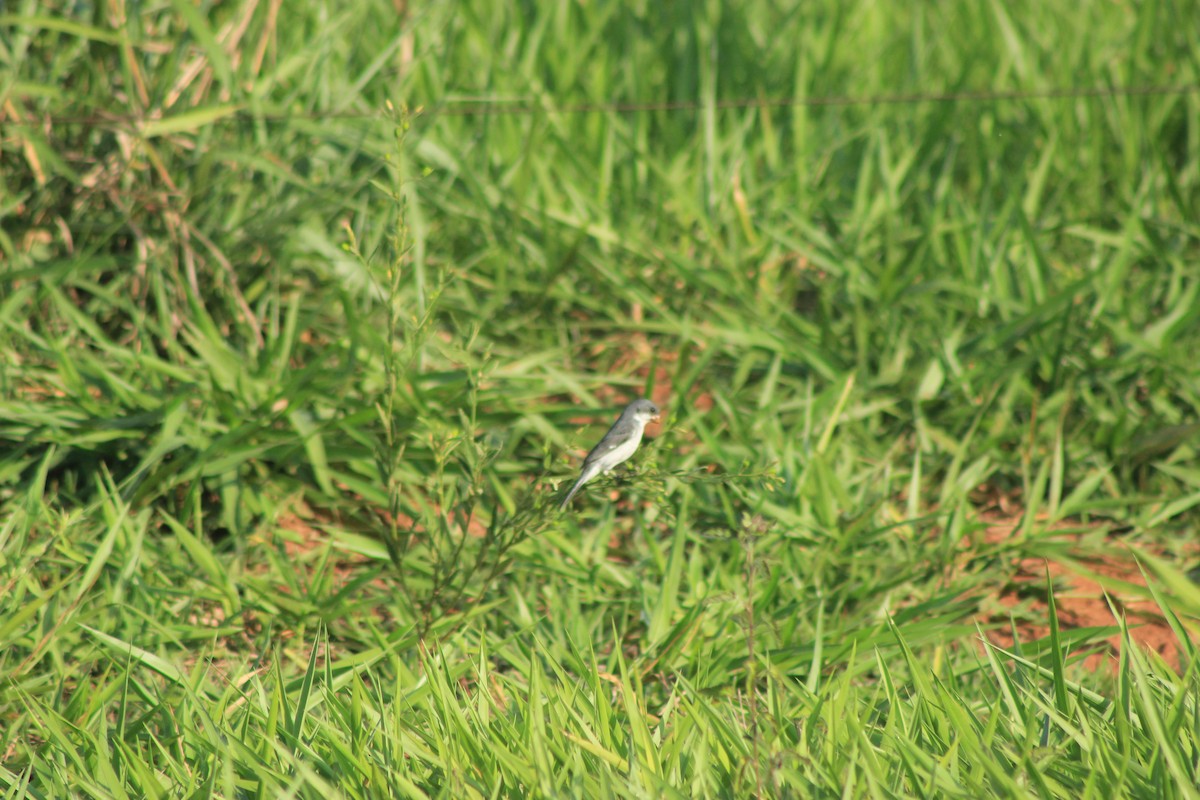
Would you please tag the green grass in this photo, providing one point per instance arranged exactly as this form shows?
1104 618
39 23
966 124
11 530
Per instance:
297 347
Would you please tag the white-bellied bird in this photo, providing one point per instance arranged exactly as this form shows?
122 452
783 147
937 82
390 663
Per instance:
618 444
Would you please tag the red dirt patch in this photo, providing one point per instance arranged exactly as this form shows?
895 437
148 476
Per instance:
1082 600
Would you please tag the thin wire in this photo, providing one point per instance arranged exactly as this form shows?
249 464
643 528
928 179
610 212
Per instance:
494 107
481 108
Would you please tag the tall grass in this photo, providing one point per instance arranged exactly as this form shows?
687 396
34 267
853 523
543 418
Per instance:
306 309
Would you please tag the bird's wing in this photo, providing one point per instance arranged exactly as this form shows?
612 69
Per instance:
606 445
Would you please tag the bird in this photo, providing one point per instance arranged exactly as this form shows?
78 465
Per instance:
618 445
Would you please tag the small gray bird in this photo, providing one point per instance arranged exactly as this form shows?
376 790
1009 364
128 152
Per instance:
617 445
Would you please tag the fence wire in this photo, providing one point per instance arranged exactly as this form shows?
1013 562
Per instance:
466 107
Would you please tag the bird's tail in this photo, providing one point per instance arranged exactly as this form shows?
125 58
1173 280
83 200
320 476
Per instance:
571 493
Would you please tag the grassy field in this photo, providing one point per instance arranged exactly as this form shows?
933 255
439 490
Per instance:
307 314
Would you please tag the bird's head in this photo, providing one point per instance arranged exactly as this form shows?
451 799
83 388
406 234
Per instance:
642 410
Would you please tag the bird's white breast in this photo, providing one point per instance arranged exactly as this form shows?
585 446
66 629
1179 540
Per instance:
621 453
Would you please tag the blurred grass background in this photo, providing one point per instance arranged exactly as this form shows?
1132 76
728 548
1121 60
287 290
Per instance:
305 311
